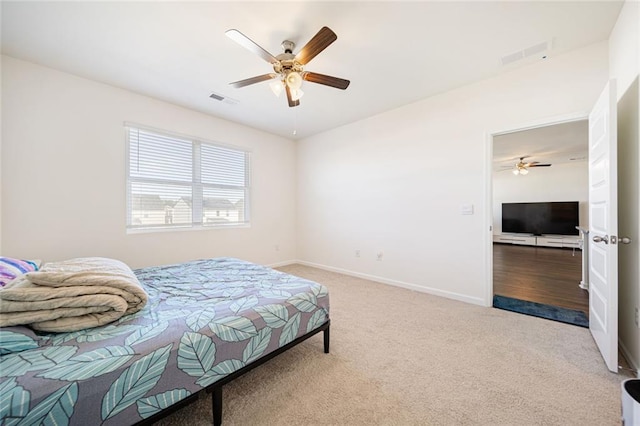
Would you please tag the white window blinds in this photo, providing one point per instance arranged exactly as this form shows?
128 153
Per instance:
178 182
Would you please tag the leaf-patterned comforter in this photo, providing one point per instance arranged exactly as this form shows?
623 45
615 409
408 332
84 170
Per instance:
204 320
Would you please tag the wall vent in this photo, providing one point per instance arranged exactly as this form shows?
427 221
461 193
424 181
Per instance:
539 50
216 96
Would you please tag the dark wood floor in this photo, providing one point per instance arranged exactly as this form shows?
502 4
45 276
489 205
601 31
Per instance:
540 274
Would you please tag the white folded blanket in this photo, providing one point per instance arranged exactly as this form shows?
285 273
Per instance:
72 295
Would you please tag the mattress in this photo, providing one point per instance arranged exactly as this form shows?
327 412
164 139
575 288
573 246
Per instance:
204 320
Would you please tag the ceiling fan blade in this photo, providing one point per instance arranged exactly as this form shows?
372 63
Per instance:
292 103
539 165
327 80
250 45
252 80
317 44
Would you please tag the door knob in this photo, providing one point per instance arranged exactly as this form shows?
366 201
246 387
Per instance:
599 239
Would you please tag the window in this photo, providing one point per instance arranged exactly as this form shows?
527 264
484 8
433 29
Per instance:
181 182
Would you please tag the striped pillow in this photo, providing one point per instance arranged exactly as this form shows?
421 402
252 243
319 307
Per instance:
11 268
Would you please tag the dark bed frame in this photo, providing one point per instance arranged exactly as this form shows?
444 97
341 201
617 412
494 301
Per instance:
216 388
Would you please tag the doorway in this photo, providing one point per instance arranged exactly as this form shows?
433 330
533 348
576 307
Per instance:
538 263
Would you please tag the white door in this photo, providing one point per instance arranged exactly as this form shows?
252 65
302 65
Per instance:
603 226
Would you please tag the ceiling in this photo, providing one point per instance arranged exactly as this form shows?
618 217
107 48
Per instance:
394 53
556 144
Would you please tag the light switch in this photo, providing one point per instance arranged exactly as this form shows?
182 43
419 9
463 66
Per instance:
466 209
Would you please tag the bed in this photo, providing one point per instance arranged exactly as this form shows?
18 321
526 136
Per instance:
206 322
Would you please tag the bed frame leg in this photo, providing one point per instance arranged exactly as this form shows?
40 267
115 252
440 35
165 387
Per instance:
216 399
326 340
216 391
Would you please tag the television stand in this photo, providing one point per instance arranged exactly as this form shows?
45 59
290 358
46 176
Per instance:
558 241
518 239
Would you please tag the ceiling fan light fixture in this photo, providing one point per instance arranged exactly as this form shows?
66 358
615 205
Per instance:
520 170
296 94
294 80
277 87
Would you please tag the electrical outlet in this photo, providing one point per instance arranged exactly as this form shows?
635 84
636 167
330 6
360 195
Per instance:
379 255
357 253
636 318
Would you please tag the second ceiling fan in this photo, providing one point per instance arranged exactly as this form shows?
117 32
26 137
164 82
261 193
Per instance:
288 69
522 168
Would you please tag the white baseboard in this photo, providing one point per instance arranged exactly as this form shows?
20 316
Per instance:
428 290
283 263
632 362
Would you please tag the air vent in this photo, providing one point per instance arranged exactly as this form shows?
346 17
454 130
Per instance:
506 60
224 99
538 50
230 101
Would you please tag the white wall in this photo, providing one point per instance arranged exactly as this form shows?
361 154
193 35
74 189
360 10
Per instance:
624 66
560 182
0 147
395 182
63 174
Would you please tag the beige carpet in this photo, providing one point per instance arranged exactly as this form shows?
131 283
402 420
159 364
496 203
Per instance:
400 357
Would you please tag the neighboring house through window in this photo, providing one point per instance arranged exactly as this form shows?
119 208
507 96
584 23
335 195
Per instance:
182 182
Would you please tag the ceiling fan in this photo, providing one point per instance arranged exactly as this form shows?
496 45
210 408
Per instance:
288 69
522 168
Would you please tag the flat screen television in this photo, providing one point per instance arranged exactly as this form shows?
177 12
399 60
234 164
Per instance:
556 217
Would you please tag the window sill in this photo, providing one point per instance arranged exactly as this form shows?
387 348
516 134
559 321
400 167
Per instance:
186 228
